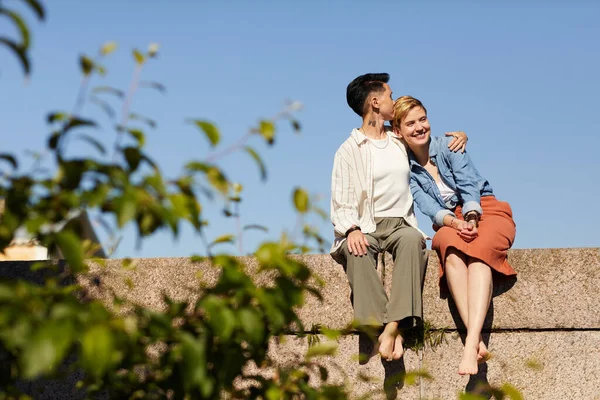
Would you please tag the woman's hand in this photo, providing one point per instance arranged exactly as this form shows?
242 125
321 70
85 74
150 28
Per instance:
467 231
459 141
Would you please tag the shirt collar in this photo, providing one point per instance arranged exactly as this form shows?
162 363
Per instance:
358 136
361 138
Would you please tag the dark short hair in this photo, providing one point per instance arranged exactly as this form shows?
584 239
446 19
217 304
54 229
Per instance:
359 89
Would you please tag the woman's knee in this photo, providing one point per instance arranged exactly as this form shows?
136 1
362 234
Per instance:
455 259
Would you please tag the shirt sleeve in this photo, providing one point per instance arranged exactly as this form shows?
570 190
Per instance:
344 205
467 181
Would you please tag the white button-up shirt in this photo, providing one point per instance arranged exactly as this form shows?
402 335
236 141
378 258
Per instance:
352 187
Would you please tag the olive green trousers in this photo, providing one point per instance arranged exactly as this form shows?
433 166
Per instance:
371 304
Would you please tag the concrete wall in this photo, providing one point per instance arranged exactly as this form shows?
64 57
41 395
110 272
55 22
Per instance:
543 329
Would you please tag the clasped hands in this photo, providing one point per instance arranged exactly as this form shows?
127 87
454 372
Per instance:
466 230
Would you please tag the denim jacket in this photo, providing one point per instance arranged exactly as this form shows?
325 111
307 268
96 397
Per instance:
458 173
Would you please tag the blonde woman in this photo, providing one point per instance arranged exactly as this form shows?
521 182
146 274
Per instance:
473 229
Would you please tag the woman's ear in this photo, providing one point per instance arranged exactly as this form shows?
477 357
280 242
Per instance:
396 131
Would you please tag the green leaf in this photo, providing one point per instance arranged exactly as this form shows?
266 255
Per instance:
151 123
471 396
101 70
259 161
411 377
153 50
11 159
198 259
86 64
47 348
274 393
511 392
57 116
139 57
53 140
93 142
223 239
110 90
328 348
223 322
331 334
193 363
126 209
237 187
138 135
267 130
75 122
71 248
256 227
36 6
19 52
296 125
301 201
218 180
210 130
97 348
251 322
133 157
108 48
534 364
154 85
198 166
16 18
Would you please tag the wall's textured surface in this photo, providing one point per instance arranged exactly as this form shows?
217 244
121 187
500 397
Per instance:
545 327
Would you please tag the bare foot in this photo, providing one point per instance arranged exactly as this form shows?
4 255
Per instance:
483 355
386 341
468 364
398 347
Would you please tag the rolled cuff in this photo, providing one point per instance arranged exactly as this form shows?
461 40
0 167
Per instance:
471 206
439 217
341 228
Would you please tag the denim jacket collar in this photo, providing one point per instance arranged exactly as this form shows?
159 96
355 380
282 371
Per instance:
433 151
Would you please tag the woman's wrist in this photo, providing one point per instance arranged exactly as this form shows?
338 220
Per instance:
472 217
449 220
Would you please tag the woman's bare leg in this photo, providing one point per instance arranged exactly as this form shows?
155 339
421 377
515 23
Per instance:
457 277
479 298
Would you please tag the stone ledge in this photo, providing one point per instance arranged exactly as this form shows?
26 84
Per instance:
555 288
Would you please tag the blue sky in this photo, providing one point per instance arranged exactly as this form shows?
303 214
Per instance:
521 78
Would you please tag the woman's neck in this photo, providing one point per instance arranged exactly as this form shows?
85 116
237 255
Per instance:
421 154
374 127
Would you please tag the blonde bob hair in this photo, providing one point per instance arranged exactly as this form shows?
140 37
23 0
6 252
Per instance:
402 107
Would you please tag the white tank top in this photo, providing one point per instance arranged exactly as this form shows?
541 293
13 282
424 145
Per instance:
445 191
391 180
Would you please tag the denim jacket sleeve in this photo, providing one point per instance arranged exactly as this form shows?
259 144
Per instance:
427 204
466 179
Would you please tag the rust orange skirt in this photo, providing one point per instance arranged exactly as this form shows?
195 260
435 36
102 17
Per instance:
496 234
